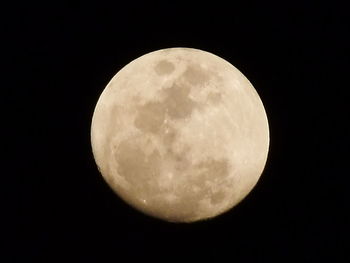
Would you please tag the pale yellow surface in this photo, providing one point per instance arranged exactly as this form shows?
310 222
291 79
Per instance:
180 134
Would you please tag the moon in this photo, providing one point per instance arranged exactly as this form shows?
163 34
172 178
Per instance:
180 134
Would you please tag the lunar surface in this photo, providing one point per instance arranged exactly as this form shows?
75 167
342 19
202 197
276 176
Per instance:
180 134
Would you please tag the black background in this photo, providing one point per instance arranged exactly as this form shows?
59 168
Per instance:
58 58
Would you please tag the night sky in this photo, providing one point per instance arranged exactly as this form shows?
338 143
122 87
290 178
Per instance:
58 58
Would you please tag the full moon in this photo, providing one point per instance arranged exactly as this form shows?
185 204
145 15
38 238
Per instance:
180 134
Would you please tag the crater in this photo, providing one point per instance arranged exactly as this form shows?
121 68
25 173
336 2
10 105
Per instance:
169 136
213 169
181 162
214 97
182 210
150 117
112 121
217 198
164 67
177 102
208 172
138 168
